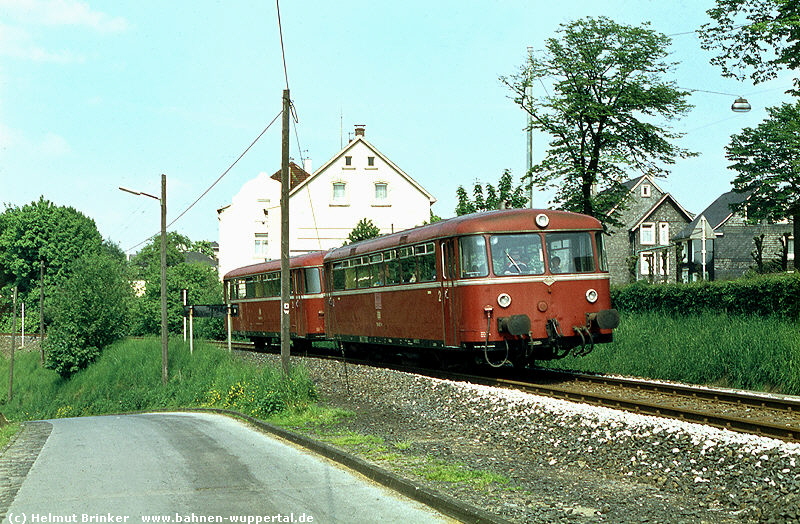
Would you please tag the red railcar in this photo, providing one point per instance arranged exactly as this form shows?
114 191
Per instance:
514 285
257 291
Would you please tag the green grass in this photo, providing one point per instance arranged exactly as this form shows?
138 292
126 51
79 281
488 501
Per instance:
127 377
439 470
753 353
7 432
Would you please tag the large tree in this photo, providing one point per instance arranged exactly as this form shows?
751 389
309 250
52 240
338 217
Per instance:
767 162
607 110
43 232
505 196
754 38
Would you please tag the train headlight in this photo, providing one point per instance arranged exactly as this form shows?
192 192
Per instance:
503 300
542 220
591 296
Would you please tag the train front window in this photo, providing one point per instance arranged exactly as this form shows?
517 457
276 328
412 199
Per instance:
473 257
517 254
570 252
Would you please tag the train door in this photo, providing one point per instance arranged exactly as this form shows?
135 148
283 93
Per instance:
448 292
296 314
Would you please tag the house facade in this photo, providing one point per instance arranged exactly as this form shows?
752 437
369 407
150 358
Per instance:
324 206
720 244
641 248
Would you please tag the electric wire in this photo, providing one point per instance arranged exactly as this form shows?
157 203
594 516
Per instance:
214 183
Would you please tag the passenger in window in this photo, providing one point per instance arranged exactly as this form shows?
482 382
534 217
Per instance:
555 265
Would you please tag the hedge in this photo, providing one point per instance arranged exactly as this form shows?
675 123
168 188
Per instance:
765 295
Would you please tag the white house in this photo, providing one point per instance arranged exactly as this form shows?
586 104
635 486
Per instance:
324 207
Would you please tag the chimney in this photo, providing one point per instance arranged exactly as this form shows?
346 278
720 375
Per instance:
360 129
307 165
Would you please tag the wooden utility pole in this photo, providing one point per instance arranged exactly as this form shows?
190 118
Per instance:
41 311
285 275
164 334
13 342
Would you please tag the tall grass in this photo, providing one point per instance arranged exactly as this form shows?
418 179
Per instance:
755 353
127 377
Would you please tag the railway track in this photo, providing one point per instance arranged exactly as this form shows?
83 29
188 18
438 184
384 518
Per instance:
760 414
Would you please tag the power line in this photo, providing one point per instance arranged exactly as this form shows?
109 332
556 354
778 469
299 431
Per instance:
215 182
283 50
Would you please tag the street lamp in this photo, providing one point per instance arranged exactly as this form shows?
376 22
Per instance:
740 105
164 336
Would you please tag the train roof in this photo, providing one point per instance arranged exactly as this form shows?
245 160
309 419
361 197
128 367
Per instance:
505 220
306 260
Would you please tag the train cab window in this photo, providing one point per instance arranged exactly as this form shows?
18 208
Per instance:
473 256
570 252
517 254
312 281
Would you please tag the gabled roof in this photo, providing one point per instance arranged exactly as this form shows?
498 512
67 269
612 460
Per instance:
716 214
634 183
297 175
348 147
666 197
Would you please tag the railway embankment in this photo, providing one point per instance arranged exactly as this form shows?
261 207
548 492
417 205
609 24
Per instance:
553 460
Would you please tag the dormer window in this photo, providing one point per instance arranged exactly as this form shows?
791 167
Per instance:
646 190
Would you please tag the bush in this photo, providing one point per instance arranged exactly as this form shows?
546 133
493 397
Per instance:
90 311
765 295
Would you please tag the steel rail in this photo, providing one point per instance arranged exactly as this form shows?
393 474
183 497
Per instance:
660 408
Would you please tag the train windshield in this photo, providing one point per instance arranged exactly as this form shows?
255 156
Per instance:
570 252
517 254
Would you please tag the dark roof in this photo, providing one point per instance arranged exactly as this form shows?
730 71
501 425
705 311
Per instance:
296 175
195 257
630 184
716 214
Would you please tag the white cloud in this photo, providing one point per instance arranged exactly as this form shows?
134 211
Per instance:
16 42
63 13
54 145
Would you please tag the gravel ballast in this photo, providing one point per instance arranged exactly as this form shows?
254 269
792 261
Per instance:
567 462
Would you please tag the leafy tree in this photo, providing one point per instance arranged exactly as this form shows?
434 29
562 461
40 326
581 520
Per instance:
767 162
42 231
148 260
90 311
364 230
607 90
755 38
504 196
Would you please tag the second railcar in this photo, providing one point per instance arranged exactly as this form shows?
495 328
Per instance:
257 291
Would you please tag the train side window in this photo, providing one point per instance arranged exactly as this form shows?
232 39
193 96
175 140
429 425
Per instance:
240 284
312 281
408 265
391 267
602 257
259 286
338 276
350 277
426 262
473 256
376 270
363 275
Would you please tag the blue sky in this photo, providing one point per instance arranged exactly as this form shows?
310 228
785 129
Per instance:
100 94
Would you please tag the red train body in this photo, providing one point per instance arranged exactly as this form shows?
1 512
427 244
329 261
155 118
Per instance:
511 285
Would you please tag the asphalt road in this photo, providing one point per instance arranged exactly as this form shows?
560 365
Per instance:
193 468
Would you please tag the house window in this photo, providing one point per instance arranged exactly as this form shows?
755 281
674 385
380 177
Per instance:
646 190
261 244
370 161
647 263
348 161
339 192
381 191
790 250
647 234
663 233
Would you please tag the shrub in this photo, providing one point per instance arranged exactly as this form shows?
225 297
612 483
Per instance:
90 311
